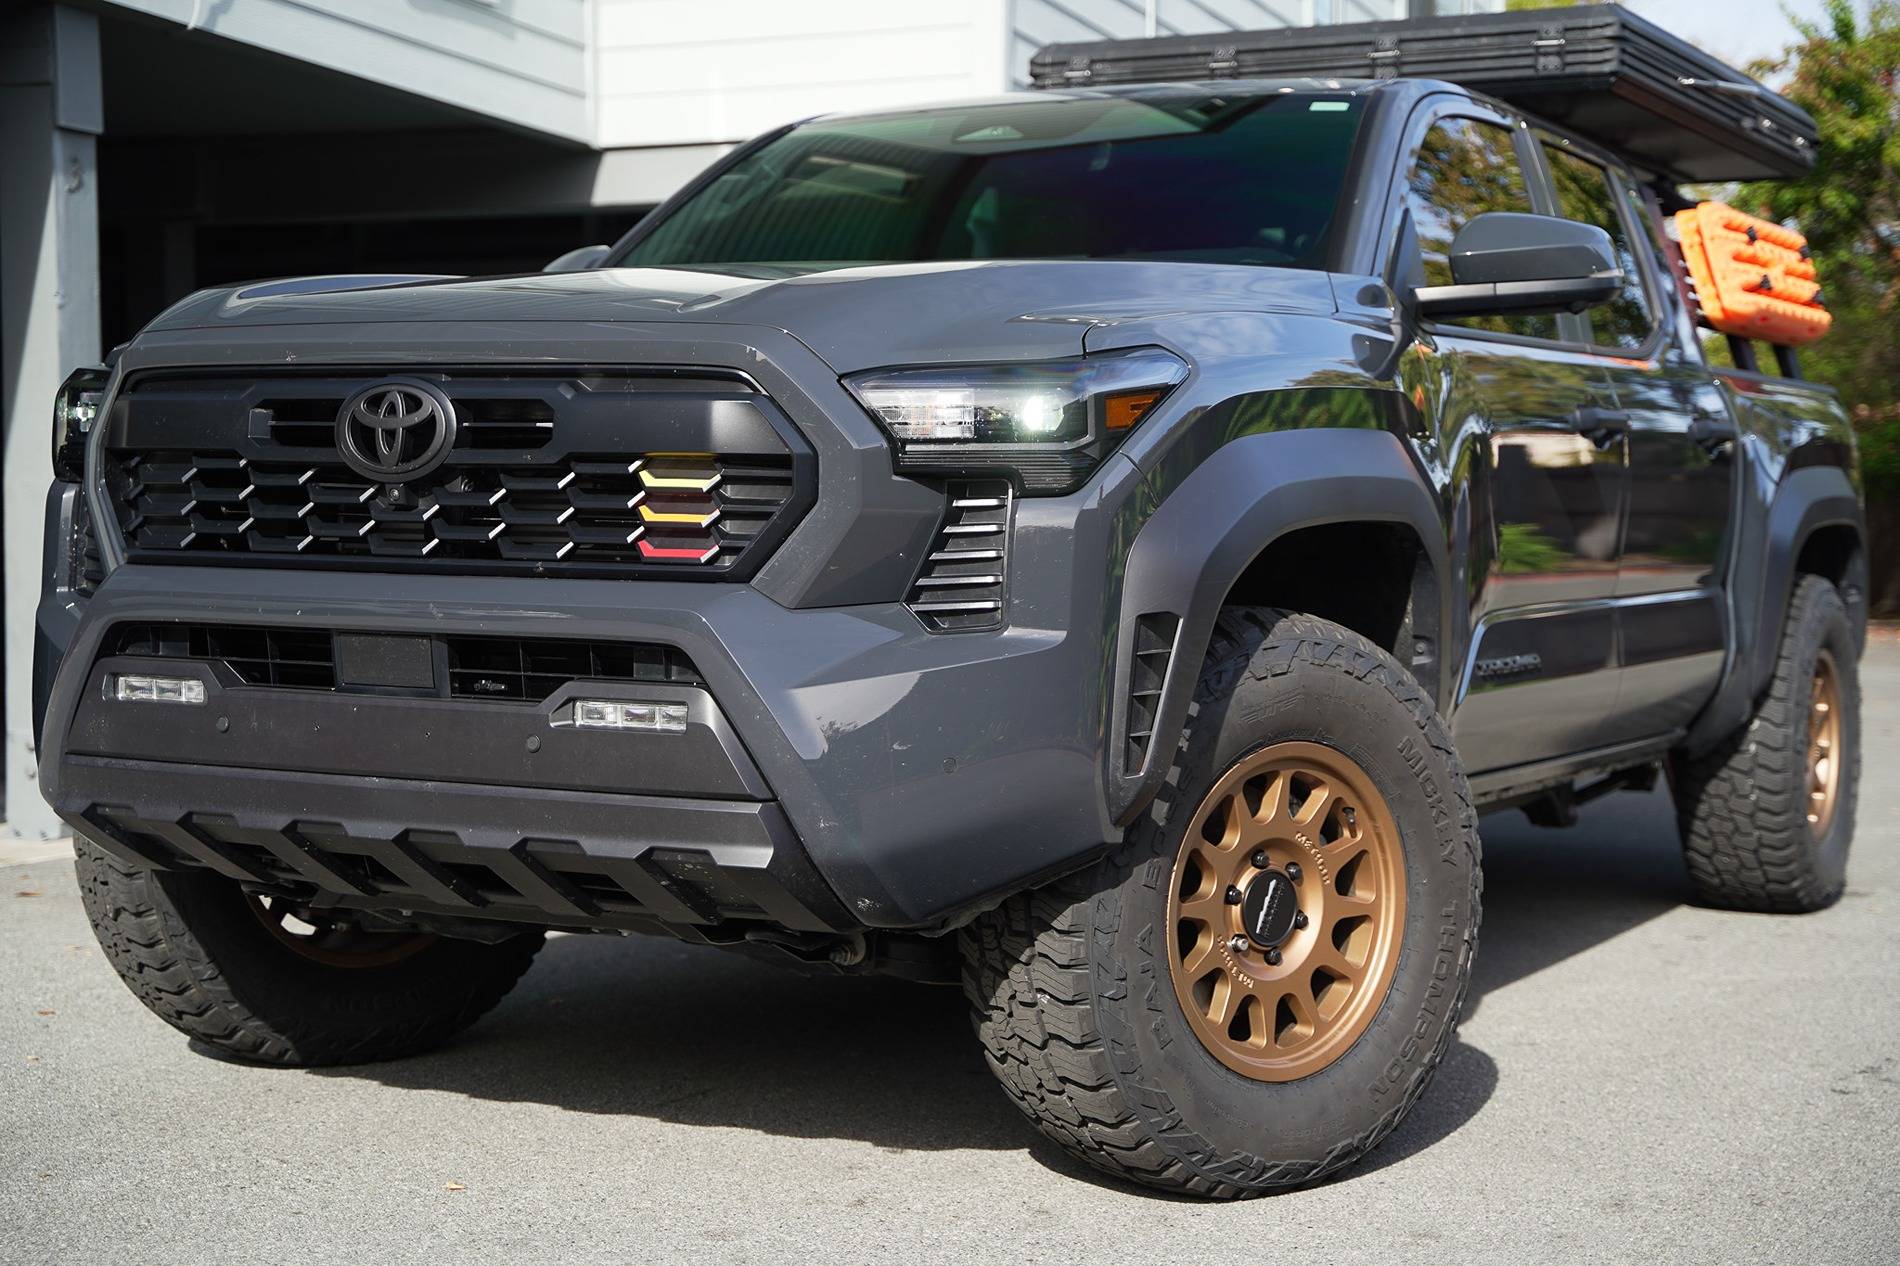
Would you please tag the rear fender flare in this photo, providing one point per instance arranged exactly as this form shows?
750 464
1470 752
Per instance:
1763 581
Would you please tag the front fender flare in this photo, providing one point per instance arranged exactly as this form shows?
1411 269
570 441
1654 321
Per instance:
1197 543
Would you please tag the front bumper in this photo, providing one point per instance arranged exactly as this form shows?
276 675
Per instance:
872 774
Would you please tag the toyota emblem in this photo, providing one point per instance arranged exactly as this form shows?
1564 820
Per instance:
395 430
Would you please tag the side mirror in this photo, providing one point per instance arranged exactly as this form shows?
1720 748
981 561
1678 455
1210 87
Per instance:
578 260
1506 261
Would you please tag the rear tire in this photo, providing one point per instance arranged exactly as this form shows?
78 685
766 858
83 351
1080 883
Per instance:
204 958
1762 828
1081 989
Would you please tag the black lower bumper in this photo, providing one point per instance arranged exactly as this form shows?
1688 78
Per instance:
556 858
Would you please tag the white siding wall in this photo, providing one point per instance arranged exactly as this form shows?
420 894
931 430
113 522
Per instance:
673 72
690 72
525 61
1039 22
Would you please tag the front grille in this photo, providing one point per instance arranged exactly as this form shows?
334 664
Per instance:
476 666
659 474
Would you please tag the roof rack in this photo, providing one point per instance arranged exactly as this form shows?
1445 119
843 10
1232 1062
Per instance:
1597 70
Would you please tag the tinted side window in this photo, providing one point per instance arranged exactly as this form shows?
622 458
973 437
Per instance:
1464 168
1584 194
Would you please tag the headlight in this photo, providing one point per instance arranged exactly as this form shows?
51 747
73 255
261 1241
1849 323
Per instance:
1046 424
75 409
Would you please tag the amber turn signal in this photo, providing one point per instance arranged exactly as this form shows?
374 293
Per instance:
1123 411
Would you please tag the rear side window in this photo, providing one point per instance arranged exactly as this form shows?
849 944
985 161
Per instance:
1464 168
1584 194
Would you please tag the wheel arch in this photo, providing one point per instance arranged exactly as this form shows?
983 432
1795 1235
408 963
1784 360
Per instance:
1814 525
1228 533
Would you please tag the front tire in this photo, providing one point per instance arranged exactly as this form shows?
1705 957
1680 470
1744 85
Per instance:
228 969
1767 817
1255 987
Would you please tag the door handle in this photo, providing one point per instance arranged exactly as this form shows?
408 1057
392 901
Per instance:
1600 426
1711 430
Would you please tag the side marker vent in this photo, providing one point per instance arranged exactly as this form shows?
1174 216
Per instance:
961 587
1154 648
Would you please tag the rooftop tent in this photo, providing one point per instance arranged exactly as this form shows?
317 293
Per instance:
1597 70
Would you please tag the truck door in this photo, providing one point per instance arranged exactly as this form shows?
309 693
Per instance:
1668 611
1542 470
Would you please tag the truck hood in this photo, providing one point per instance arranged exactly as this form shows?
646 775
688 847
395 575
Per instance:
856 318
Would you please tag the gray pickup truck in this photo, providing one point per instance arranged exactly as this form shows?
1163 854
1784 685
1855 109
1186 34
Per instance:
1104 546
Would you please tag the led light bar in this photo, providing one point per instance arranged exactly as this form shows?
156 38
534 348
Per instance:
612 714
947 413
132 688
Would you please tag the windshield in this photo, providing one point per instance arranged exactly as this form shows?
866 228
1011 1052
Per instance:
1239 178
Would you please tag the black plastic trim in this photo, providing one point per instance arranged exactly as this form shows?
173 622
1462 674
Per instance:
1202 538
1761 582
485 852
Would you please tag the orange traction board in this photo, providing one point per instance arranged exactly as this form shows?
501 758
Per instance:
1752 277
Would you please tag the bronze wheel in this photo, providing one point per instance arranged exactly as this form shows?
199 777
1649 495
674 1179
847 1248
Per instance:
1824 744
1288 904
332 942
1224 1043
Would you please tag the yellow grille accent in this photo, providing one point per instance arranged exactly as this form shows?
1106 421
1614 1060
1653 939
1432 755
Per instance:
693 516
680 473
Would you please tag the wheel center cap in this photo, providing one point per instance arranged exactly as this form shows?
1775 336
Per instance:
1268 907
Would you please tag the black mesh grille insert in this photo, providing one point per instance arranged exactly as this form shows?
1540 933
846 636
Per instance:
479 667
534 668
294 658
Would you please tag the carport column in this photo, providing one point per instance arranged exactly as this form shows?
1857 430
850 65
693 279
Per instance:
50 116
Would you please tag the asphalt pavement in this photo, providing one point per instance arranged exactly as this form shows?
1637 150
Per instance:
1636 1080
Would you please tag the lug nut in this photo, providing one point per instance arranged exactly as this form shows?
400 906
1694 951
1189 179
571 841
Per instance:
1260 859
1234 895
1293 871
1273 958
1238 944
1299 918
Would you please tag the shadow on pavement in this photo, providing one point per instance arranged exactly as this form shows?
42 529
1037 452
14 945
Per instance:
1550 894
649 1028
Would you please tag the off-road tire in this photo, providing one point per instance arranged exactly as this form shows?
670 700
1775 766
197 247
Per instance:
1070 983
188 947
1742 808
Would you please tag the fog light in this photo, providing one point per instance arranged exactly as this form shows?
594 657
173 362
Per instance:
134 689
611 714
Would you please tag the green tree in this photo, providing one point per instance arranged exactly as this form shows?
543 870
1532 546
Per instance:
1845 71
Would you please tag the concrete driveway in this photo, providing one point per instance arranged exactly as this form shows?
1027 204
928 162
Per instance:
1637 1080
